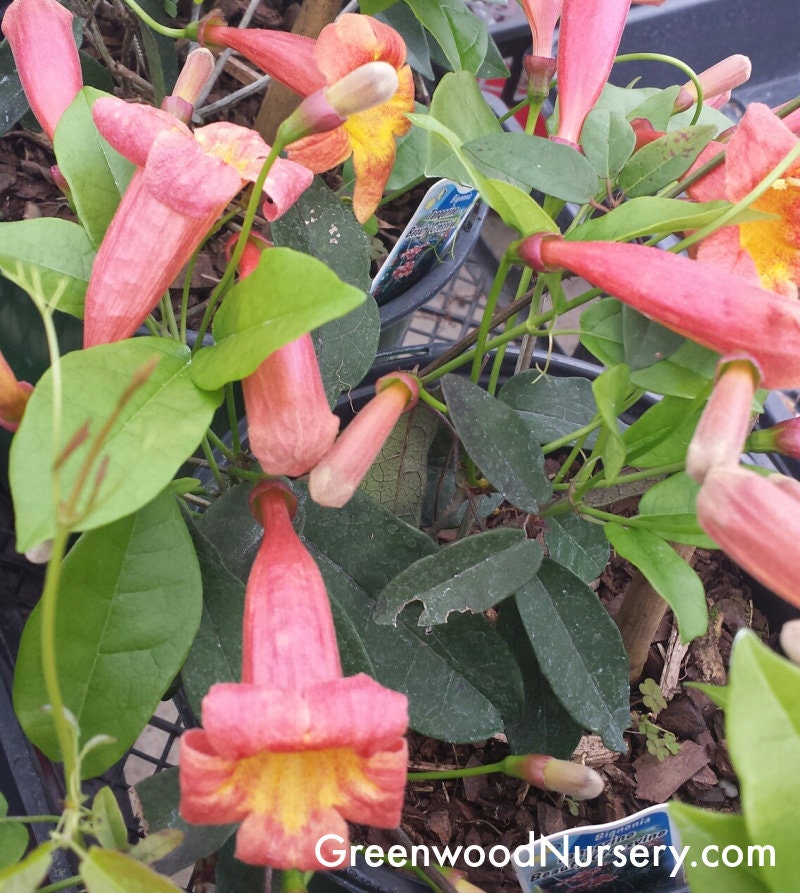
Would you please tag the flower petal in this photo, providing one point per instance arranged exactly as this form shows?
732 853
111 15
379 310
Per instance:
353 40
132 128
760 141
208 796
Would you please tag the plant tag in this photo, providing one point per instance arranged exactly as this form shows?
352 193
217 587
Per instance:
641 852
428 235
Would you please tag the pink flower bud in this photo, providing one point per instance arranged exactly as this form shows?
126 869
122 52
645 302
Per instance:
717 82
573 779
194 75
335 479
784 438
13 397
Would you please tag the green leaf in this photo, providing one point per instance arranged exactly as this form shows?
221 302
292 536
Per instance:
762 724
601 331
661 436
542 725
50 258
231 875
668 508
610 389
266 310
159 795
701 828
648 215
319 223
664 160
27 875
418 51
655 105
577 544
535 162
118 649
94 382
216 652
108 825
473 575
346 348
457 106
13 838
671 577
646 341
687 373
579 650
412 152
229 525
551 407
397 478
106 871
499 442
97 175
608 141
461 34
13 102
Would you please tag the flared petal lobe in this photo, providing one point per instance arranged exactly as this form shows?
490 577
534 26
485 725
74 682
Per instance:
336 478
542 16
704 302
39 33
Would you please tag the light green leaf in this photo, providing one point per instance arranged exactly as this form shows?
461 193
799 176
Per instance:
671 577
608 141
27 875
577 544
397 478
118 649
94 382
97 174
687 373
106 871
108 825
50 258
579 650
473 575
668 509
461 34
664 160
601 331
499 442
610 389
661 436
13 838
266 310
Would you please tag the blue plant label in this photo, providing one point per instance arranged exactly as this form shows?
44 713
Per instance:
429 234
641 852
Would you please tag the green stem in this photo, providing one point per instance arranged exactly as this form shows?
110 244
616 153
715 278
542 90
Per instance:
426 397
60 885
486 319
212 462
567 439
220 445
391 196
233 420
670 60
30 819
444 774
168 314
157 26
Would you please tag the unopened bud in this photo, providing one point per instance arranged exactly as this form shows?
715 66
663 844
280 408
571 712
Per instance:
782 438
573 779
717 82
790 640
191 81
364 88
13 397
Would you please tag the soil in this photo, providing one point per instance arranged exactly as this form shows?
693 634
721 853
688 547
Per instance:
495 809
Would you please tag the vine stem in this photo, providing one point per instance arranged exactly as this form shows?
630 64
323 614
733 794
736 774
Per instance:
444 774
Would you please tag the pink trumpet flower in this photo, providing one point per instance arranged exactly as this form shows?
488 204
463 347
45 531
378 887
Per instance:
183 183
290 425
540 66
13 397
588 40
336 478
294 750
307 66
702 301
756 520
39 33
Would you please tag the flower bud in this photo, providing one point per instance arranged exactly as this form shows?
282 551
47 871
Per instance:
717 83
790 640
194 76
335 479
573 779
362 89
784 438
13 397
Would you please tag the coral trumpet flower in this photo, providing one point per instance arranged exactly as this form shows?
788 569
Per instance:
183 183
39 33
756 520
335 479
704 302
588 40
767 250
294 750
290 425
307 66
13 397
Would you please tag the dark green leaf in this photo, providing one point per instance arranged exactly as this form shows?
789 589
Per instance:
234 532
159 795
266 310
398 476
535 162
671 577
551 407
231 875
118 649
97 174
579 650
346 348
459 32
50 258
608 141
499 442
473 575
577 544
94 382
13 102
646 342
412 151
418 53
664 160
601 331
